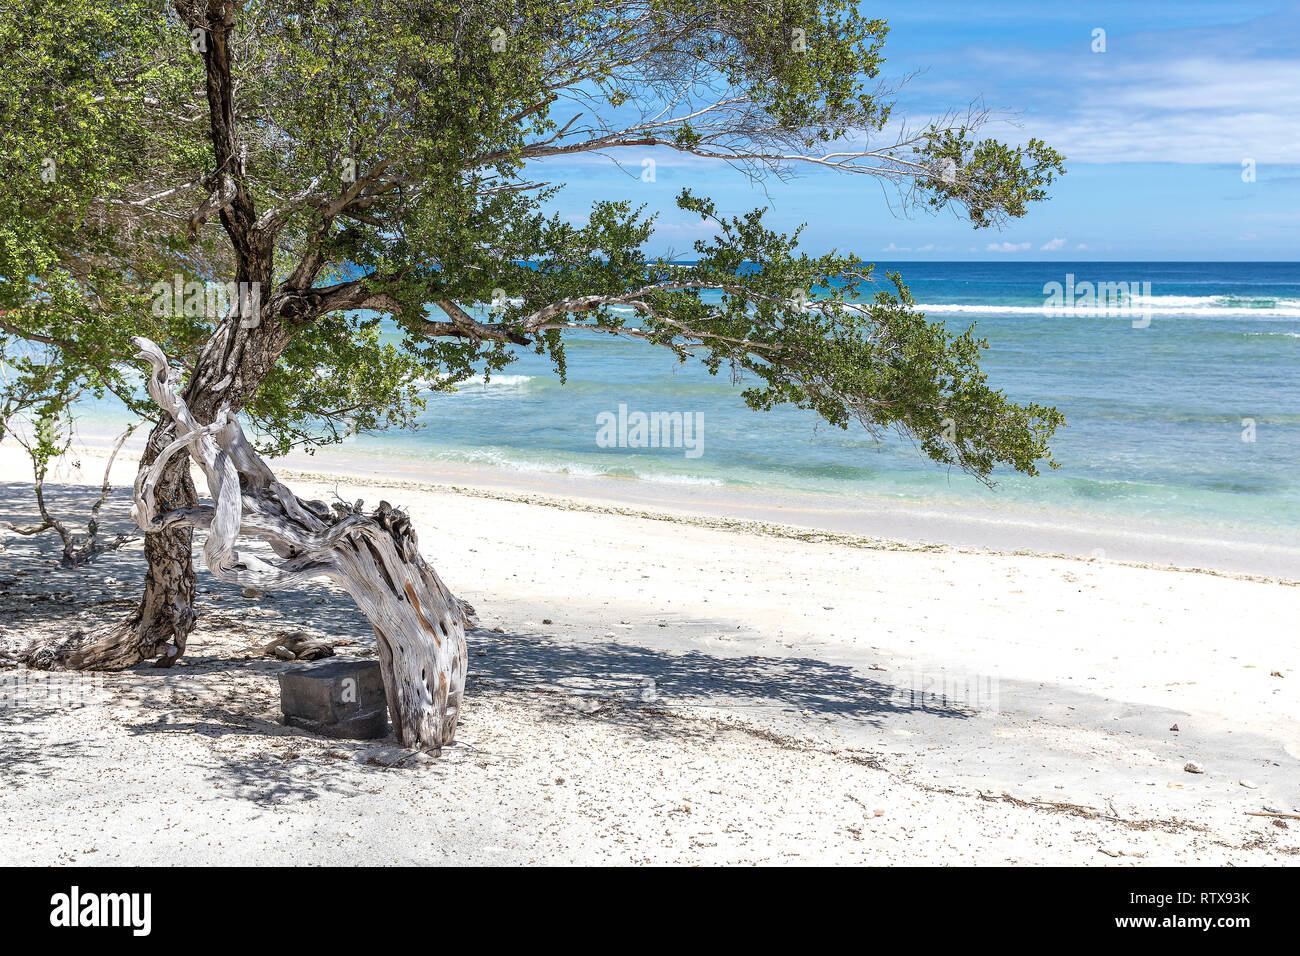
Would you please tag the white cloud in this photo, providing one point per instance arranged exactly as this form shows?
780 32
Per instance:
1007 247
1081 246
1052 245
1214 93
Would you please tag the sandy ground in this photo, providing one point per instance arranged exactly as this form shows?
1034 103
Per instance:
659 688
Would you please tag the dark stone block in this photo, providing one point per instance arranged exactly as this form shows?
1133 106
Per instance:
337 698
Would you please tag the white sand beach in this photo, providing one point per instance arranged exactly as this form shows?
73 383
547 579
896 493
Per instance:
655 684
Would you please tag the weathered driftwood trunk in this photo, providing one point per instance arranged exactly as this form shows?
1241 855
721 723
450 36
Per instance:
419 625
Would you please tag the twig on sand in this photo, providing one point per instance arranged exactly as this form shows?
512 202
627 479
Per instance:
1091 813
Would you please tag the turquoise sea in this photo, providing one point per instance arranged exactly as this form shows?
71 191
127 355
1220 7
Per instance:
1159 417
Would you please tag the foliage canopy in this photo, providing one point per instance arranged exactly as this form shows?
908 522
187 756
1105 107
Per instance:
381 159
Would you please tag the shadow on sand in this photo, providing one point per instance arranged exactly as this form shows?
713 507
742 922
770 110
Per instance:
226 693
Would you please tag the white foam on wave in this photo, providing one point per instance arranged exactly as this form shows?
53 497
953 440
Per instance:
1191 306
667 479
504 381
477 384
497 459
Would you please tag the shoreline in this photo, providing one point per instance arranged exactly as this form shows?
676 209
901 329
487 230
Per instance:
1011 528
510 492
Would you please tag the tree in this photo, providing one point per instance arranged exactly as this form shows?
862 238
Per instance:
342 163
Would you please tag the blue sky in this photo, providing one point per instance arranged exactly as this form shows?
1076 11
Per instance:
1155 131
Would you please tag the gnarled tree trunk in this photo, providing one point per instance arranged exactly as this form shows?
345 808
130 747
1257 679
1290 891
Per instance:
163 621
419 625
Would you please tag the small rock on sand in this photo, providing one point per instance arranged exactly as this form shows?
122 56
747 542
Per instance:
1192 767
